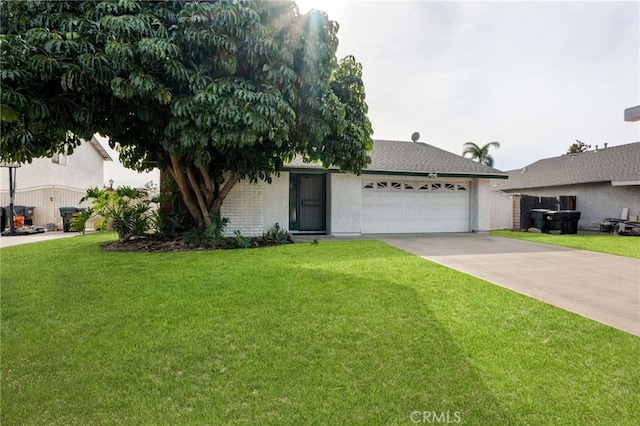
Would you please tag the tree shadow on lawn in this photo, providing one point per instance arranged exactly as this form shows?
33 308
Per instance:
372 352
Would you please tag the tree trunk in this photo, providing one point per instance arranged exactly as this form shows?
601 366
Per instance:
200 199
185 191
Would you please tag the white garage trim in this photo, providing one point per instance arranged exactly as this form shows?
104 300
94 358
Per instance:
401 205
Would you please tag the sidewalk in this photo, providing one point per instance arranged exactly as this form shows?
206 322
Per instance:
15 240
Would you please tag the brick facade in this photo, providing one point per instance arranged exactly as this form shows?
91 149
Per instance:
244 208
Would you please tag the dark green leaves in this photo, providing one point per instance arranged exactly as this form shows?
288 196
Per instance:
228 86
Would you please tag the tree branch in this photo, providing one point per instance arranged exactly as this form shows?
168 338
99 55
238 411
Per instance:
224 191
185 190
208 184
198 193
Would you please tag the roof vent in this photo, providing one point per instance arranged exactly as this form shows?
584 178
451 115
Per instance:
415 136
605 145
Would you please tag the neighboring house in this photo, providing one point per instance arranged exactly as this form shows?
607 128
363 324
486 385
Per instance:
60 181
409 187
604 181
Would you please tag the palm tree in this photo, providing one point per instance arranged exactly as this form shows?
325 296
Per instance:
480 153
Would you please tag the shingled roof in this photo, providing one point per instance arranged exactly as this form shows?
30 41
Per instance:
417 158
616 164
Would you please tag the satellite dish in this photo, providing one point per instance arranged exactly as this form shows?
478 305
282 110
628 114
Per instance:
415 136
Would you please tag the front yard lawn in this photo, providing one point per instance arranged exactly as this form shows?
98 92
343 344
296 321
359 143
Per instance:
604 243
334 333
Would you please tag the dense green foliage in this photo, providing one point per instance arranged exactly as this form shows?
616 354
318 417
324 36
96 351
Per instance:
480 153
125 210
210 91
339 333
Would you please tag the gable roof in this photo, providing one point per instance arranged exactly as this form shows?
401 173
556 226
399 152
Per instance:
416 159
616 164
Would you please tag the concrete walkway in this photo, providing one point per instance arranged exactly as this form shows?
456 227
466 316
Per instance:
602 287
15 240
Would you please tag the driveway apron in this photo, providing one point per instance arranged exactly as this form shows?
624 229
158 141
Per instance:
602 287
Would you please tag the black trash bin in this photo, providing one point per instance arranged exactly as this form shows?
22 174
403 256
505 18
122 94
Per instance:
570 221
3 219
67 213
538 218
565 221
552 222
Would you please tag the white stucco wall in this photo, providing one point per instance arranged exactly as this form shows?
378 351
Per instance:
480 205
596 201
83 169
276 202
501 210
344 201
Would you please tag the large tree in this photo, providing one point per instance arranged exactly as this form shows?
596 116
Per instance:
480 153
210 91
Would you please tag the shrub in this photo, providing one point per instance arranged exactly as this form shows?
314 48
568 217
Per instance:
276 236
240 240
127 210
213 235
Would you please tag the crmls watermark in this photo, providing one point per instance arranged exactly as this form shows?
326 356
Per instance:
436 417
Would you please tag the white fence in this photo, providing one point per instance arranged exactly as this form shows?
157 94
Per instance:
47 201
501 210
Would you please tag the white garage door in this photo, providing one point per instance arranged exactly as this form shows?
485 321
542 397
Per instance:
404 206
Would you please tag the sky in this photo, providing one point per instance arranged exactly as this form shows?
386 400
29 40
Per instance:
534 76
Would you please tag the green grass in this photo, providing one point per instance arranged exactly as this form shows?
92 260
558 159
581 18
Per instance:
335 333
604 243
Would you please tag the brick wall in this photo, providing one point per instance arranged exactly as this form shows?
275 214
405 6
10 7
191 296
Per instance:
516 212
244 208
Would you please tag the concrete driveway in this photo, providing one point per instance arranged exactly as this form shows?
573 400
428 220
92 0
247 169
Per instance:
17 240
602 287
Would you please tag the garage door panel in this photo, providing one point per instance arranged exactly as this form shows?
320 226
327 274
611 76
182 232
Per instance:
396 206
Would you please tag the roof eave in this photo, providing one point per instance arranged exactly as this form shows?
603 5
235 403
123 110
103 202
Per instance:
98 146
318 169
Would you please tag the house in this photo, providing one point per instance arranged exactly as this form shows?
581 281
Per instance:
409 187
604 181
50 183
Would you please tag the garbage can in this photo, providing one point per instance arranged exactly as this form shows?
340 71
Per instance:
3 219
552 221
67 213
538 218
26 212
565 221
570 220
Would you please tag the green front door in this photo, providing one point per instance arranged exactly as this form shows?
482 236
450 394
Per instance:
307 202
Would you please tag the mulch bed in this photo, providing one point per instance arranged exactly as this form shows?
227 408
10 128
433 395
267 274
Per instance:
154 244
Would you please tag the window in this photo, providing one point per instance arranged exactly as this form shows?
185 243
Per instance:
408 186
424 187
462 187
59 159
396 185
381 185
449 187
368 185
436 186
